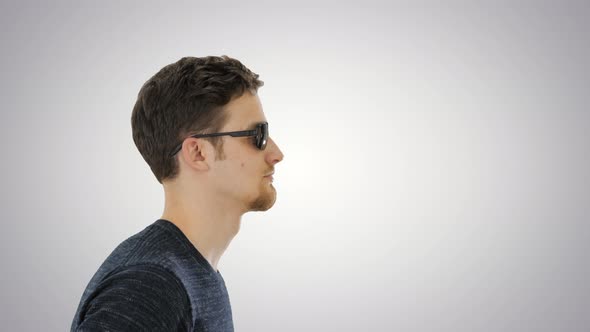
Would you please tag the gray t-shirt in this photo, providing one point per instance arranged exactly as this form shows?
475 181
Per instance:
156 280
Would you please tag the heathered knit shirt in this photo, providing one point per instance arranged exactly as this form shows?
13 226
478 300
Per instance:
156 280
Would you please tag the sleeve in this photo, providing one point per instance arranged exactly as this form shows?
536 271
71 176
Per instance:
138 298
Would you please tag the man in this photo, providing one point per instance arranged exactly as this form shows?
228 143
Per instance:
199 125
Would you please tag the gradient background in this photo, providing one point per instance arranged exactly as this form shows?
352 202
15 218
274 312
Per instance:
435 174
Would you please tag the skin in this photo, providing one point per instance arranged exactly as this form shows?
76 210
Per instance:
208 198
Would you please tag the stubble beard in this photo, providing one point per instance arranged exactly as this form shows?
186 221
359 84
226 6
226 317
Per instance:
265 200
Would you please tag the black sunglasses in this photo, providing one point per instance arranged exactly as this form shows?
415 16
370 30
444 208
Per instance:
260 136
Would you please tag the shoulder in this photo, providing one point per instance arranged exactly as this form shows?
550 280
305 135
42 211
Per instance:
158 243
137 297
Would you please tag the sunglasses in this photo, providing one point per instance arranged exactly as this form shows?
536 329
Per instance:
260 136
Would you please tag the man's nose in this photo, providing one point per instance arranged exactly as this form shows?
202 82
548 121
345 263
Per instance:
275 154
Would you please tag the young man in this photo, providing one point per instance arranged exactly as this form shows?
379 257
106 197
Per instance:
199 125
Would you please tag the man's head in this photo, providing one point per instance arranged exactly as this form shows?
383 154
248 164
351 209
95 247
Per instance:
202 96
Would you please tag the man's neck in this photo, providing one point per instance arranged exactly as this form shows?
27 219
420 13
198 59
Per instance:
210 228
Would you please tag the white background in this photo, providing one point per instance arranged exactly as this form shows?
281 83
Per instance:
435 174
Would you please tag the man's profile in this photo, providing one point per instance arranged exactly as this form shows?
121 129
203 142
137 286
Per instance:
199 125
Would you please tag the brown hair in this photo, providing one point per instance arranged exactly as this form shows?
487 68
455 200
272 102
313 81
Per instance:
185 98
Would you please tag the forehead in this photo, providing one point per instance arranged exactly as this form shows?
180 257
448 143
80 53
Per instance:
244 112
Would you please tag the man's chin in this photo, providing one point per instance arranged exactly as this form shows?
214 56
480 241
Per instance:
265 201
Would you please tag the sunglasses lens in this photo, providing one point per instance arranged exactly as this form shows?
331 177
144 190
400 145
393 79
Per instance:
262 136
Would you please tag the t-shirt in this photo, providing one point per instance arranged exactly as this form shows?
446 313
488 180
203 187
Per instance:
156 280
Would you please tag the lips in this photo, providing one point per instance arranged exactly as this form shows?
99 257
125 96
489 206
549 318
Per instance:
269 176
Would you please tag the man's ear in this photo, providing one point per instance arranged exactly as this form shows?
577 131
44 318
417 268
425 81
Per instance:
198 153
